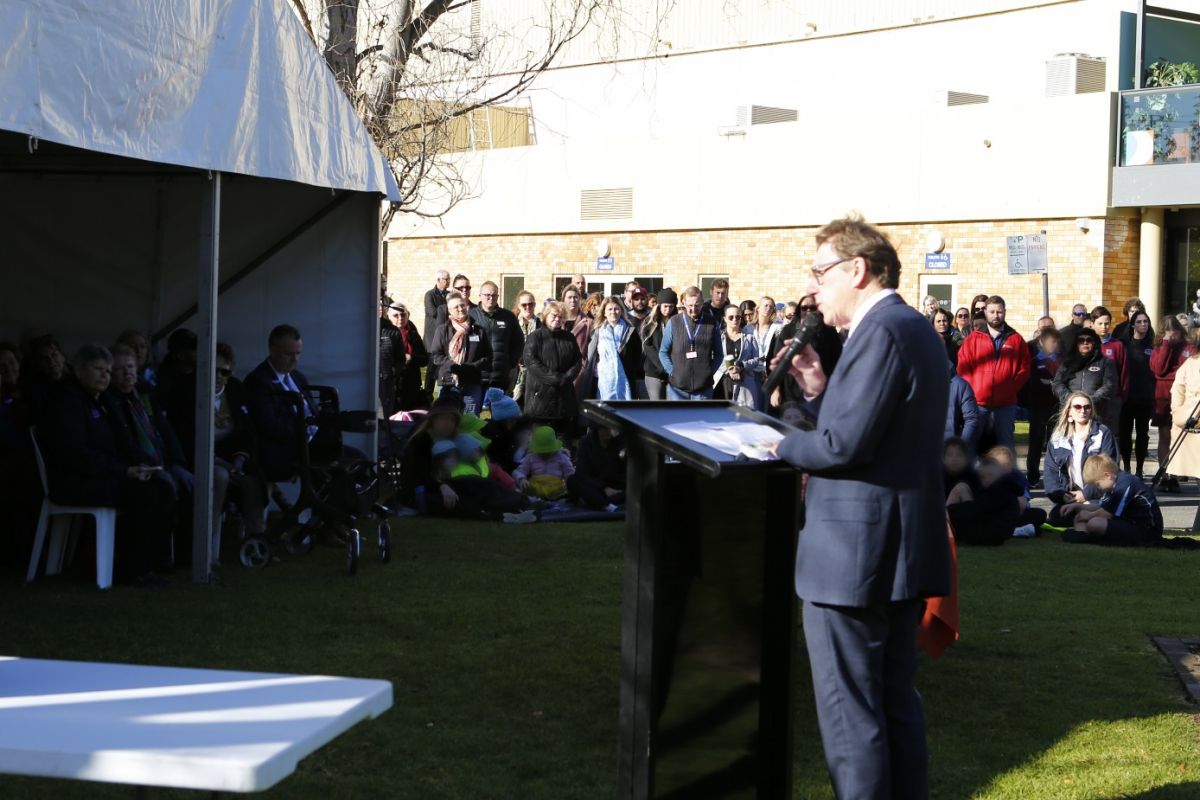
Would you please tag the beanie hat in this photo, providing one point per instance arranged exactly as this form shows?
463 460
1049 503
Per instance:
492 395
544 441
668 296
446 403
442 447
505 408
467 445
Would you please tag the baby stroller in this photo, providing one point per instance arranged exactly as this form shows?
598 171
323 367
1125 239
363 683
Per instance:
337 490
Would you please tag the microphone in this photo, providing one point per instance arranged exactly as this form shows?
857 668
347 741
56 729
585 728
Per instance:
804 337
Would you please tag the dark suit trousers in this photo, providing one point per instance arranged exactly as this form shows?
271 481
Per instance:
872 724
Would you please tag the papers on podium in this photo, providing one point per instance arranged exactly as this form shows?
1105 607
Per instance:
749 439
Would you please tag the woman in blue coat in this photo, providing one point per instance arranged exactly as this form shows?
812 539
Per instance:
1077 437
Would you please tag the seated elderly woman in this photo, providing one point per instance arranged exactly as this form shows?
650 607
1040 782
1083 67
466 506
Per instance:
141 348
92 460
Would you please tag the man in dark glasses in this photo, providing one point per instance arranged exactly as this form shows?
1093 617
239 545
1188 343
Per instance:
1069 331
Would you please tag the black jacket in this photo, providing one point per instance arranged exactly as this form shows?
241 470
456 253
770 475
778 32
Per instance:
651 365
828 345
400 380
276 426
175 393
242 440
1096 376
1141 379
552 362
476 360
435 299
167 442
604 463
504 333
86 446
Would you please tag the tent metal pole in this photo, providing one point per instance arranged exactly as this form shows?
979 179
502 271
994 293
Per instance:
206 333
375 221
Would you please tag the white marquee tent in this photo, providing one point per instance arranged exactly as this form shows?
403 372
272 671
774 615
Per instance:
195 164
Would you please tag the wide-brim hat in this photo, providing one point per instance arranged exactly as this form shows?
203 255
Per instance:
466 444
470 423
544 441
444 446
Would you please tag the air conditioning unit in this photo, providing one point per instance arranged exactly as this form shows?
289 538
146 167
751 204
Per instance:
1074 73
948 98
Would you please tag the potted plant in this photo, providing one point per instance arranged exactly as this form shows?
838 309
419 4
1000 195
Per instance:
1148 118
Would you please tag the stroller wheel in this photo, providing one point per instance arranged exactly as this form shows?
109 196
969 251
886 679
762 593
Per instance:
301 540
385 542
255 552
353 550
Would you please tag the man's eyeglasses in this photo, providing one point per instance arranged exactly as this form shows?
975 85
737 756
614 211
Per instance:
819 270
1080 407
466 287
488 294
224 372
1079 313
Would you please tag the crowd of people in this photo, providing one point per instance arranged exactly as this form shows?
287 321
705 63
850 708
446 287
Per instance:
115 429
1090 391
494 396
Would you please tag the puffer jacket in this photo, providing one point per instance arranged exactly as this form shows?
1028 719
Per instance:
552 362
504 334
1095 376
476 360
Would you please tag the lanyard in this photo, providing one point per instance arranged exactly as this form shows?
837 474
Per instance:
692 334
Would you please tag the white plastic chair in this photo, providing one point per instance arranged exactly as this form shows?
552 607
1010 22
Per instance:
58 519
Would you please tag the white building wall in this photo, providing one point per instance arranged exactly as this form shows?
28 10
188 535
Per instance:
870 134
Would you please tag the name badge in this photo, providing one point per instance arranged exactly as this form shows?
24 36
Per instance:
501 324
472 338
692 354
1094 369
1149 351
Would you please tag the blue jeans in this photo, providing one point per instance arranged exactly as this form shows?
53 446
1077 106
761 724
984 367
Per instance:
679 394
1000 420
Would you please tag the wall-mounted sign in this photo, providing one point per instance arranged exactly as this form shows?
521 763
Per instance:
1038 252
1018 256
937 261
605 264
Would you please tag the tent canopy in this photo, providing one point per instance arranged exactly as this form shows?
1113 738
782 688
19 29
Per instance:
152 151
234 87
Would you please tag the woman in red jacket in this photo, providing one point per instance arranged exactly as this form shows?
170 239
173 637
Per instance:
1171 349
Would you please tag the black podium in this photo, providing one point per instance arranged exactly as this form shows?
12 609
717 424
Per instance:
708 615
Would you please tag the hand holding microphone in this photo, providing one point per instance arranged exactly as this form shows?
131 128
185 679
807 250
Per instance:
800 360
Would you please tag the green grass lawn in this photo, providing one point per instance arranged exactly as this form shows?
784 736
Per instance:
502 643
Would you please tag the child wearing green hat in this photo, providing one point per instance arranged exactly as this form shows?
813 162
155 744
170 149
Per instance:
544 470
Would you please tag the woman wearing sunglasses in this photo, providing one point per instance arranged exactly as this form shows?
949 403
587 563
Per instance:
1087 370
528 321
1077 437
962 321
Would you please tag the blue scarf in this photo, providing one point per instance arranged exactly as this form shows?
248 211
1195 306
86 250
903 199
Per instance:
611 383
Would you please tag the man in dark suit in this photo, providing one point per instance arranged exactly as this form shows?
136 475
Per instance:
435 299
271 411
874 542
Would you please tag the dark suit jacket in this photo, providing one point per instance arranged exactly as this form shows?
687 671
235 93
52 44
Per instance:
86 446
435 299
875 528
274 419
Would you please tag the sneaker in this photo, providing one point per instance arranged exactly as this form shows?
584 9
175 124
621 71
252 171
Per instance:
611 509
524 518
1025 532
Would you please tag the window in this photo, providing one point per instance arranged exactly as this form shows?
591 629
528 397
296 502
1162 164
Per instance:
943 287
706 282
510 287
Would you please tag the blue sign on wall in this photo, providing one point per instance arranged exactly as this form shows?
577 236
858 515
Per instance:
937 261
605 264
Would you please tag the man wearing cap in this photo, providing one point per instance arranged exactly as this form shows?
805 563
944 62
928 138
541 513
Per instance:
637 306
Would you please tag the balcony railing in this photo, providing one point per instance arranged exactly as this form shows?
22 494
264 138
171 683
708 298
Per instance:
1160 126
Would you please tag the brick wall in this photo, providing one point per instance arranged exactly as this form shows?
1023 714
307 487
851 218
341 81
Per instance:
1097 266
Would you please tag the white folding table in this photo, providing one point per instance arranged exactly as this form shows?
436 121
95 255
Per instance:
166 726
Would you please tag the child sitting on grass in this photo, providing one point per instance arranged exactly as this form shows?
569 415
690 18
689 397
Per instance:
544 470
1031 519
956 465
1126 513
986 516
479 497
